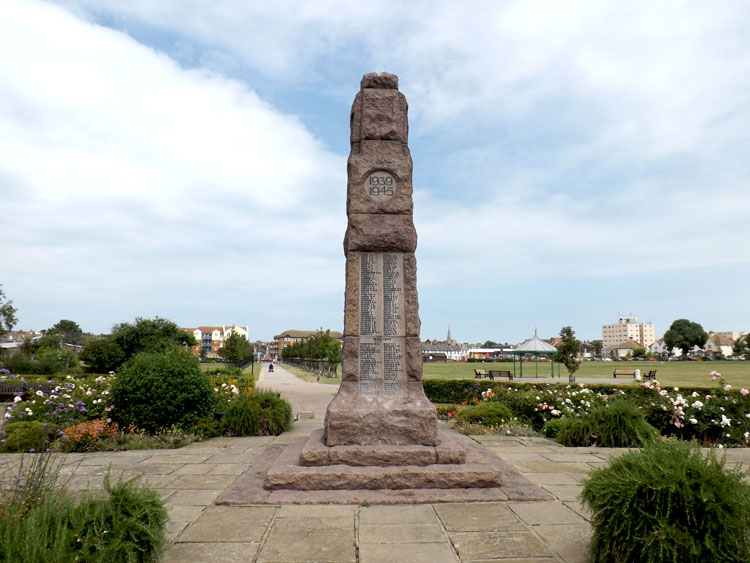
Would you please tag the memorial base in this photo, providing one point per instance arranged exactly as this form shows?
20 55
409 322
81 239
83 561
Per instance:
355 419
344 470
277 477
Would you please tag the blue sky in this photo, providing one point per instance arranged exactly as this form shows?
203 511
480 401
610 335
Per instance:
572 161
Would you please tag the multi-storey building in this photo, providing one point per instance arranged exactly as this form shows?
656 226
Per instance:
211 338
627 329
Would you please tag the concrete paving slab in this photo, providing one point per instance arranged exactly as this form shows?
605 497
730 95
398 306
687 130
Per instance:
551 478
201 481
569 541
233 458
471 546
194 469
182 512
195 497
288 541
537 513
514 457
152 469
579 508
479 517
397 514
551 467
115 460
565 492
213 552
414 553
572 457
229 524
316 511
175 528
180 459
228 469
401 533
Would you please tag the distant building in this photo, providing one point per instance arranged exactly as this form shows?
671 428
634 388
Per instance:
289 337
625 330
211 338
718 344
443 351
622 349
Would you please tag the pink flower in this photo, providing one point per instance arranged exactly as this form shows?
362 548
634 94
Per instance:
727 387
744 392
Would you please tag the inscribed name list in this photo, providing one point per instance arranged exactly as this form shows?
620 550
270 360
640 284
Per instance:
382 331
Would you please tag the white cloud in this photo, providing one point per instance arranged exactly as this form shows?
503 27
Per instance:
122 171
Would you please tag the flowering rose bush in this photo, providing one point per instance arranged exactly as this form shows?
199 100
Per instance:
716 415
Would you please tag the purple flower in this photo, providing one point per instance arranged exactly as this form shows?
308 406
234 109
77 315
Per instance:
32 450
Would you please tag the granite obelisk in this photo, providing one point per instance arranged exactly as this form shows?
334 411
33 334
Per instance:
381 400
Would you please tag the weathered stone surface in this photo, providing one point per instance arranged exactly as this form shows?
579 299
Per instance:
316 452
380 233
352 418
384 80
351 296
477 472
411 304
390 156
413 359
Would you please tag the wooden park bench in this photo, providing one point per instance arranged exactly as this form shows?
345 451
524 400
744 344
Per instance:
480 373
649 375
497 373
8 390
622 371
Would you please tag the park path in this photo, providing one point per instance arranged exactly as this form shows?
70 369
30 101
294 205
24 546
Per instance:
305 397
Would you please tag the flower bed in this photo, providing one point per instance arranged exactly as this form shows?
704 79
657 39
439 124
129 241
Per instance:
717 415
79 410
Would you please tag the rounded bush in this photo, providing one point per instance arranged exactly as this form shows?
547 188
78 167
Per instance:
258 413
488 414
618 425
157 390
669 503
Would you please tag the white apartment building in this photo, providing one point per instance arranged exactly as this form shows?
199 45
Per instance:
627 329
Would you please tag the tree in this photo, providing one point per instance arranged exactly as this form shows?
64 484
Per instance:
149 335
639 352
69 331
236 349
597 346
741 346
568 350
102 356
685 334
489 344
7 313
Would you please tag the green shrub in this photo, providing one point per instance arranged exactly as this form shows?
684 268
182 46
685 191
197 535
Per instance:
552 427
618 425
258 413
125 522
669 503
488 414
156 390
26 436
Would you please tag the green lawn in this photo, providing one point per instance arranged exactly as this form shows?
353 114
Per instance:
736 374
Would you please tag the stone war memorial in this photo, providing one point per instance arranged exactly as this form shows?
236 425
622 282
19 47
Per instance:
380 441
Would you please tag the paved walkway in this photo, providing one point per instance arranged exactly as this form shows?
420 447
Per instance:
189 479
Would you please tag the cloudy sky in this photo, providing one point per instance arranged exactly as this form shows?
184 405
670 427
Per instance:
187 159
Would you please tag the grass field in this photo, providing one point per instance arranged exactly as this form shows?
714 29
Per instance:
736 374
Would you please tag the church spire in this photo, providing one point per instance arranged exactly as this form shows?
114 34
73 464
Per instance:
448 338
